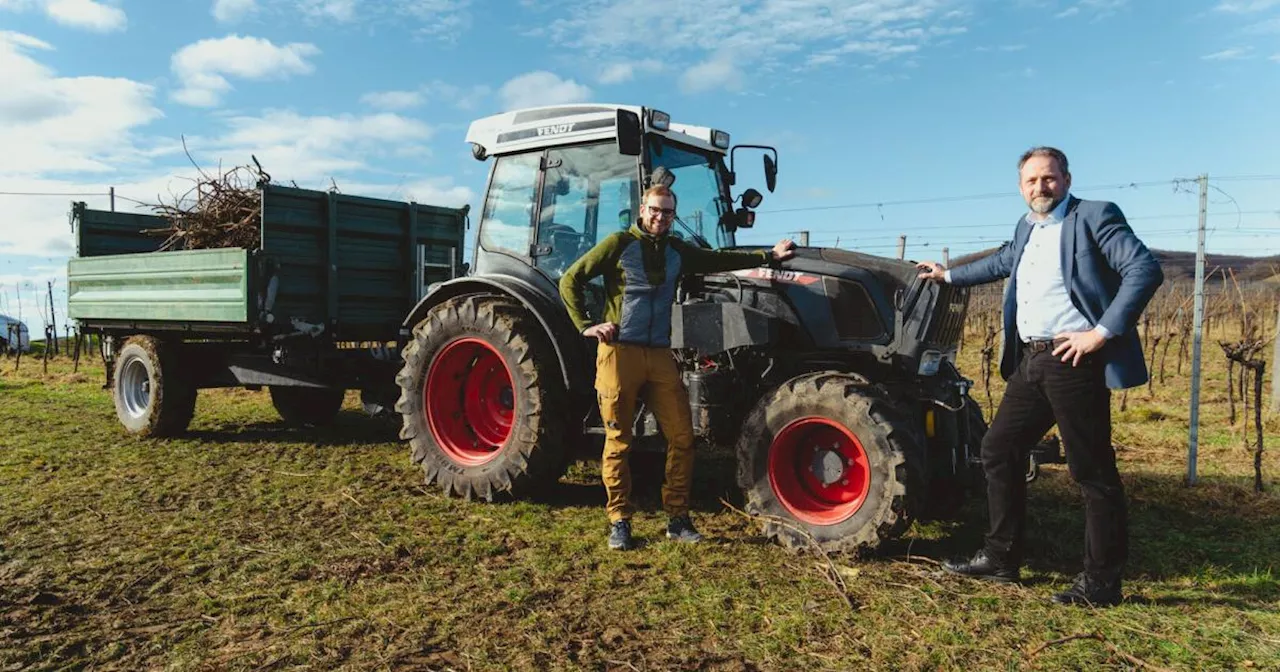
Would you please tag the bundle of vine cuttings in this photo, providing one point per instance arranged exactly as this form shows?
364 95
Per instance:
222 210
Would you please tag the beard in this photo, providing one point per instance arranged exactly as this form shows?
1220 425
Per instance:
1044 204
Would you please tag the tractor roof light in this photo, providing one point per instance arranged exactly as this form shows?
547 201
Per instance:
660 121
720 139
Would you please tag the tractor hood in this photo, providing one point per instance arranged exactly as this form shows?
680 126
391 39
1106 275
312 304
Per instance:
826 299
892 274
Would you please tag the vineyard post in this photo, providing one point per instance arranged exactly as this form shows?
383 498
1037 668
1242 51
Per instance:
1275 365
1198 326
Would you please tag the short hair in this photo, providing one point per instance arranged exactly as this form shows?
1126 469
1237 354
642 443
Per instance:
1051 152
659 190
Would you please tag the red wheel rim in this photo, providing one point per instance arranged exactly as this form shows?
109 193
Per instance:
469 401
819 471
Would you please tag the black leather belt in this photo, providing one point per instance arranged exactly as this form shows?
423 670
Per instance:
1043 344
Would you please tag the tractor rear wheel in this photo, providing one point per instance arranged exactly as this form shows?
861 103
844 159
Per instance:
307 406
826 459
480 400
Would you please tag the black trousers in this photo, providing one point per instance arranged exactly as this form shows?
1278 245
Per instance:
1044 391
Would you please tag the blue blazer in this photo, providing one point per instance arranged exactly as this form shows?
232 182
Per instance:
1110 275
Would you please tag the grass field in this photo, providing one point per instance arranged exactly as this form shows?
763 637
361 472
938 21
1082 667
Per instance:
247 546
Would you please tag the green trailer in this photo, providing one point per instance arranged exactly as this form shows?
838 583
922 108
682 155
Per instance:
316 309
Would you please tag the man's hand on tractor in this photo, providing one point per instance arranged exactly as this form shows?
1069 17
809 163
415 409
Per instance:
784 250
932 270
605 332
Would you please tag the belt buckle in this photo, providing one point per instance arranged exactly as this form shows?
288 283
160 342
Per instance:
1039 345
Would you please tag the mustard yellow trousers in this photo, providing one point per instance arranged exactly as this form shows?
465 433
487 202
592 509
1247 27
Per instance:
621 371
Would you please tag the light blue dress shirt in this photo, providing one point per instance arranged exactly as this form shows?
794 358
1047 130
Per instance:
1044 306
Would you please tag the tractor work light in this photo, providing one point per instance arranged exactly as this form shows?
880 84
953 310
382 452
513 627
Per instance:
660 121
720 139
930 360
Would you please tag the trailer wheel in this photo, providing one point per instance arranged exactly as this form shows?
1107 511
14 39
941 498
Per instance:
306 406
480 400
151 396
826 459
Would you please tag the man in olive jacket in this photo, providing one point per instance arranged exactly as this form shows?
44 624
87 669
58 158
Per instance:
641 267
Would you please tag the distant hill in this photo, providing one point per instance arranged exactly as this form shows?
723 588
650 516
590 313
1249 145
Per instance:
1181 266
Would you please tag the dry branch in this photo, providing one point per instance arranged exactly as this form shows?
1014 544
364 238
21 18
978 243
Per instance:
1097 636
221 210
830 572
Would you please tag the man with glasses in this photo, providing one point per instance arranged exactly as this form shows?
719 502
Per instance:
641 267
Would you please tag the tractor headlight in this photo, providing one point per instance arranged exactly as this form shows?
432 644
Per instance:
929 362
659 120
720 139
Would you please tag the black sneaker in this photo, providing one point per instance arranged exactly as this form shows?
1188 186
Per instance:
681 528
1090 591
620 536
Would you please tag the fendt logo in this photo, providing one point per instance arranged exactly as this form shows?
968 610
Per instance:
555 130
777 275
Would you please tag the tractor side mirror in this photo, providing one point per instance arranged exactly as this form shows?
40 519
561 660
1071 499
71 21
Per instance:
629 131
770 172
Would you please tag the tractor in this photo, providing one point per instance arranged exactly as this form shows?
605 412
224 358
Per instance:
830 376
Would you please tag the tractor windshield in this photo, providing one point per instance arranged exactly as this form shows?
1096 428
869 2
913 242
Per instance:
700 190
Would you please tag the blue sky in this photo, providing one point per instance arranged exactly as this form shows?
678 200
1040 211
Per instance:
868 102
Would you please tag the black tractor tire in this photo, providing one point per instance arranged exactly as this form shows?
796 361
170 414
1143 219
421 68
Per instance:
481 400
306 406
152 396
799 513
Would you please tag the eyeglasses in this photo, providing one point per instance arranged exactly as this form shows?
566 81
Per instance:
655 211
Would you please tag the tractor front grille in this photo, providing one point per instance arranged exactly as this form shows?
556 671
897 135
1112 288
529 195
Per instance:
948 316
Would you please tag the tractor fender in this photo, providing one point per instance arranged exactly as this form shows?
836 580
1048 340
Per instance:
547 311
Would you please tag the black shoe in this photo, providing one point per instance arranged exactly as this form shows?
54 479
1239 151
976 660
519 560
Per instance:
1090 591
620 536
681 528
984 566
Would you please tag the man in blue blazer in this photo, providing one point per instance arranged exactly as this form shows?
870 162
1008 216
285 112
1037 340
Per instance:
1078 280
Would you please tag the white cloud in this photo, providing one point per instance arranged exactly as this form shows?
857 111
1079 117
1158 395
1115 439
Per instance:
87 14
392 100
22 40
292 146
714 73
1268 27
463 98
337 10
619 73
1232 54
1094 9
1276 58
719 40
204 66
540 87
230 11
1246 6
67 124
432 191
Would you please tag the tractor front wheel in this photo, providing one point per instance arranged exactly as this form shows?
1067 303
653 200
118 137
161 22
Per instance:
480 400
824 460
